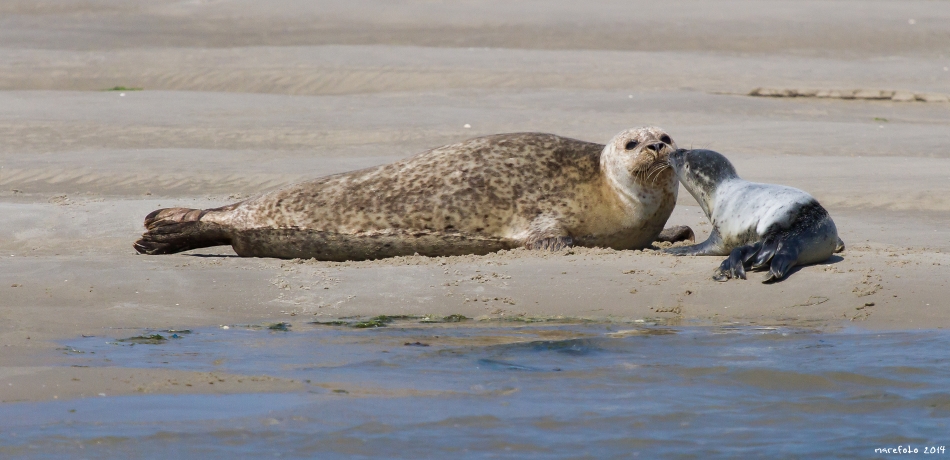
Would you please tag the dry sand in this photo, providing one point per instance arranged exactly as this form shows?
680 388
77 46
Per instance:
240 98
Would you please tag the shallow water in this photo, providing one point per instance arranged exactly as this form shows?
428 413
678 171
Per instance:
522 391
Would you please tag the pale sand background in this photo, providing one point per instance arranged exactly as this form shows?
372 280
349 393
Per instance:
241 97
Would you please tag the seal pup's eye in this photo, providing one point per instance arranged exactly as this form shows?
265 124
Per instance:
666 139
631 145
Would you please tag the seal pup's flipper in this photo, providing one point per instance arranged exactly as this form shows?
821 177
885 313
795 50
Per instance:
785 258
840 246
711 247
734 266
763 258
174 230
778 254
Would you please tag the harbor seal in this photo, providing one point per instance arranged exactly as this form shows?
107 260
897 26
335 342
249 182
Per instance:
539 191
758 225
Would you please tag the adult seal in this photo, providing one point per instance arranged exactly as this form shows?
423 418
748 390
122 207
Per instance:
757 225
482 195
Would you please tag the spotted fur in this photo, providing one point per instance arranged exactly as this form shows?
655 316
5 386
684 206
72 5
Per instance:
757 225
474 197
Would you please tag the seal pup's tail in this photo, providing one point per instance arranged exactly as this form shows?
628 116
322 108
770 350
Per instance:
174 230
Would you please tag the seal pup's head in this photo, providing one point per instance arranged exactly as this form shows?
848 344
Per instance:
701 171
636 160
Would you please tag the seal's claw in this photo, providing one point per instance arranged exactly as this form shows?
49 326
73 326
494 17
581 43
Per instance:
143 246
179 229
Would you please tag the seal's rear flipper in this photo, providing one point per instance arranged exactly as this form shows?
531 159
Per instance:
784 260
840 246
179 229
734 266
769 247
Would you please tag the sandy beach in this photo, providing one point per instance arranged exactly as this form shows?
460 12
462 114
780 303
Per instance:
220 100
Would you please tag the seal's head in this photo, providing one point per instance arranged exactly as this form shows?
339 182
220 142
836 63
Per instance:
637 159
701 171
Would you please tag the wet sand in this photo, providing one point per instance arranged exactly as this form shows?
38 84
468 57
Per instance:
239 99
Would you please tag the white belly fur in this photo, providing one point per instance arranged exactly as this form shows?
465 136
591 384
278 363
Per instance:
742 206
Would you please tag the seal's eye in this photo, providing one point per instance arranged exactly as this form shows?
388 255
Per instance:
666 139
631 145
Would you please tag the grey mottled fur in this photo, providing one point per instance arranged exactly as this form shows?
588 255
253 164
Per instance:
478 196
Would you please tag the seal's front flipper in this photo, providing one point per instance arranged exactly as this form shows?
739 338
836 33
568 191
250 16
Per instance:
734 266
840 246
554 243
711 247
546 232
179 229
676 234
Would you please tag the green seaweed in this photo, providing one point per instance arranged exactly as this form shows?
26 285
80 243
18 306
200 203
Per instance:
376 321
385 320
380 321
281 326
536 319
153 339
391 318
454 318
176 333
122 88
338 322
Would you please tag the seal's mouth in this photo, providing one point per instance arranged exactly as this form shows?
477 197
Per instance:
655 168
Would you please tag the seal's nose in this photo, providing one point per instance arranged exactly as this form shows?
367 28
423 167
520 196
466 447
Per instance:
656 147
677 155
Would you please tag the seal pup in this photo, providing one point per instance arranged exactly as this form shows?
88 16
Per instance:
539 191
757 225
